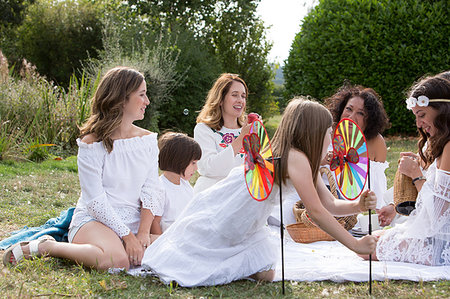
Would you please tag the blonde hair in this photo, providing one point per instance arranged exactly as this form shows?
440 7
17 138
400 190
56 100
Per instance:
211 113
302 127
107 105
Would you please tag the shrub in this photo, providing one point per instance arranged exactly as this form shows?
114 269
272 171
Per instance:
57 35
385 45
154 59
199 69
34 111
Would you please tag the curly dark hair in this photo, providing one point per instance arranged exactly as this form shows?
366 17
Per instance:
375 114
434 87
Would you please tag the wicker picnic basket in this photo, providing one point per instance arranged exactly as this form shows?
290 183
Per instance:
298 209
405 194
348 222
301 233
305 230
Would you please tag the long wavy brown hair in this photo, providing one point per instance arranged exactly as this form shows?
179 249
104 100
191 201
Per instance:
211 113
107 105
434 87
302 127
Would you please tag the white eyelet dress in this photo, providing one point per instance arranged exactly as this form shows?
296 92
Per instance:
115 185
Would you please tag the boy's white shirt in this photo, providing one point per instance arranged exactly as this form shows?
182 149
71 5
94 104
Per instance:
176 197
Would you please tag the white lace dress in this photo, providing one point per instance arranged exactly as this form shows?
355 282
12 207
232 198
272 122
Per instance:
221 236
115 185
424 238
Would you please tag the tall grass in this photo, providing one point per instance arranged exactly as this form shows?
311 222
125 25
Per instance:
35 111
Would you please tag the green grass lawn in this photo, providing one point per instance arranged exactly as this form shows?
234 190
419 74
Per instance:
31 193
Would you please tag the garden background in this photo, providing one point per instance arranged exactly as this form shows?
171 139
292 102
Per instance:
54 52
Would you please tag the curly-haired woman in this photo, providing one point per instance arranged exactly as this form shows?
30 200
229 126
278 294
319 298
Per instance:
364 106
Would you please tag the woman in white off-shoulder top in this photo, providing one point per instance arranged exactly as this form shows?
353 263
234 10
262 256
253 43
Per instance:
118 172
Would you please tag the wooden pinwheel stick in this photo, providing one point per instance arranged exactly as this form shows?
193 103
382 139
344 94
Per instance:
281 222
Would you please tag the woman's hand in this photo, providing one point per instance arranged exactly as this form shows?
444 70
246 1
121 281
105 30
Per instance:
237 143
386 214
366 245
367 201
144 239
327 159
409 164
134 249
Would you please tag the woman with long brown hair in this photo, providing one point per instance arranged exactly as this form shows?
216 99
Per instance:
118 171
222 236
424 238
220 128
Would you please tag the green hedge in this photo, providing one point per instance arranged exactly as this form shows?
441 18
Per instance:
57 36
386 45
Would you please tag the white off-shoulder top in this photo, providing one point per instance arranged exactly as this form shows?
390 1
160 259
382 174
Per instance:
114 186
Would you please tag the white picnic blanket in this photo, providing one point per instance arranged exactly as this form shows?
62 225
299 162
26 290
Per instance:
333 261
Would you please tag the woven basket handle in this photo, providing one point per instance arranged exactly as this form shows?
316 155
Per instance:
331 180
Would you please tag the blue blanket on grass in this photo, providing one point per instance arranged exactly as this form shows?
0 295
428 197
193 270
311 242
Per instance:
58 228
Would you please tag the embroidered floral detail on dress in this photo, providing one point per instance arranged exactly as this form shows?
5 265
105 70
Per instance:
227 139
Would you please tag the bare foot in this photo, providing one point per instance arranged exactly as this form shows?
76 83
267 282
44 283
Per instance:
264 275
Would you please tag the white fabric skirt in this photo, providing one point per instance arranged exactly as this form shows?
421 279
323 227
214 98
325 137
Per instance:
221 236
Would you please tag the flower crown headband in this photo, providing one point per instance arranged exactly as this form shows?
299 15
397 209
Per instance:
422 101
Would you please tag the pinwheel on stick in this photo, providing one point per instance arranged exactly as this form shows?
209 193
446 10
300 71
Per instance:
350 164
259 171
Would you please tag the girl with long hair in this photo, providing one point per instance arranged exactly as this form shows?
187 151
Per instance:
222 236
424 238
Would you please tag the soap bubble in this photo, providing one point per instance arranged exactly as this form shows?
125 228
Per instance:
186 111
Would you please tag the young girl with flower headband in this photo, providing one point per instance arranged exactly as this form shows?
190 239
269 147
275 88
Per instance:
220 128
424 238
222 236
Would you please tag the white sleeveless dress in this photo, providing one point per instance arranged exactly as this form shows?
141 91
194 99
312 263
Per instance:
221 236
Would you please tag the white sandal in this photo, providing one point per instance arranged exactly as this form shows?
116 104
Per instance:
16 250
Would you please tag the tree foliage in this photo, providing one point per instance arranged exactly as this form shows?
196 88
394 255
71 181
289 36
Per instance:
57 35
383 44
204 37
231 31
12 11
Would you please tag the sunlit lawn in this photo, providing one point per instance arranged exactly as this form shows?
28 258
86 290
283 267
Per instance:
31 193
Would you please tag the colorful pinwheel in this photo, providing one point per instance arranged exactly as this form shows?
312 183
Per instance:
350 161
259 172
258 165
350 164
